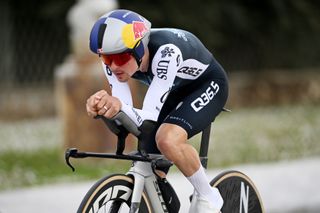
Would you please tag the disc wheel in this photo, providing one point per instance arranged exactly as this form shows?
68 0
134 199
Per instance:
239 193
112 194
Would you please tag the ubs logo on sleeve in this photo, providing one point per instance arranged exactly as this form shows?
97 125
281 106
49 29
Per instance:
162 69
167 51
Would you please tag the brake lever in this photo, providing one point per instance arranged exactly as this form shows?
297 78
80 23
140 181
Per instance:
71 152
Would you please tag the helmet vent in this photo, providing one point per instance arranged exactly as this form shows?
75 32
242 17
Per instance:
101 31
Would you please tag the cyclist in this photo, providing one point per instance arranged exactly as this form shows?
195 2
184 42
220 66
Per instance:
187 90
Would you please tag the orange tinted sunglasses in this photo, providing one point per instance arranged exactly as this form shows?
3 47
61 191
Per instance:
119 59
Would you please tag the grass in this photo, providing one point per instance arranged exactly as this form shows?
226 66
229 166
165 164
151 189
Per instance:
30 152
265 134
20 169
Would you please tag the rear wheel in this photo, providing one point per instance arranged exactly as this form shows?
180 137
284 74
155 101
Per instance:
112 194
239 193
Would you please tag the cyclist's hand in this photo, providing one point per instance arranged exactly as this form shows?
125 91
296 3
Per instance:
108 105
92 103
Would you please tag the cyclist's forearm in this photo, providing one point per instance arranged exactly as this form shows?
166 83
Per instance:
137 115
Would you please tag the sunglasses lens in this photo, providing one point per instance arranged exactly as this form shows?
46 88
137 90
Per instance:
106 59
121 59
118 59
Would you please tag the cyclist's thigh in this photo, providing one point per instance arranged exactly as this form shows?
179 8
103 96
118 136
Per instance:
193 107
199 108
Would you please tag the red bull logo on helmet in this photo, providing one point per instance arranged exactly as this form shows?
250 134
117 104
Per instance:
139 29
133 33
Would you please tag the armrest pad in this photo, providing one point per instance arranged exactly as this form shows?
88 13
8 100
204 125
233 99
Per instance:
123 119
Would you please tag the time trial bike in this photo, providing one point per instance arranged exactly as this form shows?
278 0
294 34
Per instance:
142 190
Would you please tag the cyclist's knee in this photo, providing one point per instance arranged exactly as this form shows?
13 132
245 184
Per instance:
169 137
163 145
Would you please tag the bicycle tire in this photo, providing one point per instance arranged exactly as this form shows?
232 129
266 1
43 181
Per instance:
112 194
239 192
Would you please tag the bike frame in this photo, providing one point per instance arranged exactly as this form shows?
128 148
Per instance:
234 186
142 171
144 178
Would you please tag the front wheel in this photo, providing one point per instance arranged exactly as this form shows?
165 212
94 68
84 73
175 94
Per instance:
112 194
239 193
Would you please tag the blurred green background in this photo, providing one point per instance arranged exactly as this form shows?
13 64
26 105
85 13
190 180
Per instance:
270 50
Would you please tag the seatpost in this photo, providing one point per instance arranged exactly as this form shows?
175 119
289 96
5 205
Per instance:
204 146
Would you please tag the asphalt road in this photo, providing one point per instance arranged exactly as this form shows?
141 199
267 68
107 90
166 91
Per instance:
291 186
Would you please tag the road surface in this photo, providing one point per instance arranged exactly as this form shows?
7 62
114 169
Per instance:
291 186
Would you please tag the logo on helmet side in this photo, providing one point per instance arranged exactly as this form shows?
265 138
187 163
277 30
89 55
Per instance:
133 33
139 29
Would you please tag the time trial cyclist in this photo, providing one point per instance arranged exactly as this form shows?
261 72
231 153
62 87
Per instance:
187 89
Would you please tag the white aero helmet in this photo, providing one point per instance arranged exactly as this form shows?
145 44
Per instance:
120 31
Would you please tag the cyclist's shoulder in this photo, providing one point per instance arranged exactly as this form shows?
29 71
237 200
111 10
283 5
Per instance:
186 42
170 32
160 36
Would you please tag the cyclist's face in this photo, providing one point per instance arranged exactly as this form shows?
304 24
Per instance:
123 66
